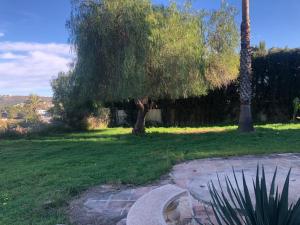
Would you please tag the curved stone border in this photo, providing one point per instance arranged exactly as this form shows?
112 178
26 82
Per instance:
150 208
109 205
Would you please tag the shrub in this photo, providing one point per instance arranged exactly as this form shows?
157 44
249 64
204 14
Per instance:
3 124
19 129
296 104
14 132
100 120
235 207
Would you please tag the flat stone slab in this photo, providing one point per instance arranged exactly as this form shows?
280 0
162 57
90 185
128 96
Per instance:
109 205
105 205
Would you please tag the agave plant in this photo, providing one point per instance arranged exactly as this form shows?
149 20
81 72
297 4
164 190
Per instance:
235 207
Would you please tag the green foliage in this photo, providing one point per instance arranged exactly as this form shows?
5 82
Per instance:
111 41
100 119
39 169
222 39
30 109
276 82
132 49
26 111
14 111
235 206
63 95
260 50
23 118
296 104
176 65
69 105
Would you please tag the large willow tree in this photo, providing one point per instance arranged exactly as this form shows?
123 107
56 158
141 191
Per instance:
131 49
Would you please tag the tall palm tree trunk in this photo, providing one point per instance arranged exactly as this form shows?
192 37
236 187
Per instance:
245 121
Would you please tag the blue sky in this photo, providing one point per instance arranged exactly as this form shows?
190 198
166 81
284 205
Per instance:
34 40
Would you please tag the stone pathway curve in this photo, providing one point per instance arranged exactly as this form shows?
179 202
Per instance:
108 205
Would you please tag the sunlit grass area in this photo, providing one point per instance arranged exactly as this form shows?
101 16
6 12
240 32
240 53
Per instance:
39 175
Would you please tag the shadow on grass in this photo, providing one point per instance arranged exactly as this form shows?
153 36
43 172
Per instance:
163 133
196 143
66 164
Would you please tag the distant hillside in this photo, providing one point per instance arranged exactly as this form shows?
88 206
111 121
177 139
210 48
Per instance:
7 100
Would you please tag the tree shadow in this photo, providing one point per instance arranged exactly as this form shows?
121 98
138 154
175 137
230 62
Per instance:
60 162
185 132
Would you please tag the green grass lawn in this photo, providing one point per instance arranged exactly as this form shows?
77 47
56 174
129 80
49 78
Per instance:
39 175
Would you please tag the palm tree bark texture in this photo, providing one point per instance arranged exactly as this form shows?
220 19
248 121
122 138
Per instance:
245 120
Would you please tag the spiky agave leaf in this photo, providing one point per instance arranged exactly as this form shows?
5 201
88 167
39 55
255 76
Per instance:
233 205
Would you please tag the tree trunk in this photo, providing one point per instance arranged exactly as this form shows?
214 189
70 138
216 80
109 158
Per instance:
143 108
245 121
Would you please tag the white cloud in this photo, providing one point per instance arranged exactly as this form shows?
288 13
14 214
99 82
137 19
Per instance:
10 55
1 34
63 49
28 67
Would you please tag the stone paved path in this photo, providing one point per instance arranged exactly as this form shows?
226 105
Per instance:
195 175
107 205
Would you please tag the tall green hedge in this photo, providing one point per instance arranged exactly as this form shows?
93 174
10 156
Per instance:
276 83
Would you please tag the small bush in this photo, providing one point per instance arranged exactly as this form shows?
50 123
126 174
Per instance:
13 132
16 129
296 104
3 124
100 120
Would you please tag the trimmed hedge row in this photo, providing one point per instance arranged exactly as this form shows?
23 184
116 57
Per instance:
276 83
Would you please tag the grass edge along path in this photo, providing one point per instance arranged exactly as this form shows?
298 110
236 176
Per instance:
39 175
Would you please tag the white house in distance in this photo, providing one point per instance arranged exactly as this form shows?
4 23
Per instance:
4 115
44 115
